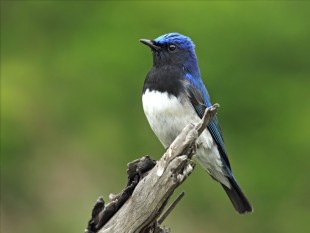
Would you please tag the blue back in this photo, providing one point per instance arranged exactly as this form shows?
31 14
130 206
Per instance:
196 87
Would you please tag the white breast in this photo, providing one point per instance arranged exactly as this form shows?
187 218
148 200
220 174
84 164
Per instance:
168 115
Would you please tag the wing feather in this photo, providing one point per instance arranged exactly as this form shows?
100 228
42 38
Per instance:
200 100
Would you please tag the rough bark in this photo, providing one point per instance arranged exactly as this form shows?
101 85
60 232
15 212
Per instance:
139 207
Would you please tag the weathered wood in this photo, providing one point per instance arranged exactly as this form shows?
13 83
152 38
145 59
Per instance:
151 194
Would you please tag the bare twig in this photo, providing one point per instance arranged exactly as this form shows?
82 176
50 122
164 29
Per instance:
170 208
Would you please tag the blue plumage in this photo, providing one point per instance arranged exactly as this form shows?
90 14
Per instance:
176 38
173 95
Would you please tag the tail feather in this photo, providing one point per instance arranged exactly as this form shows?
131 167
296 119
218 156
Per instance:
237 198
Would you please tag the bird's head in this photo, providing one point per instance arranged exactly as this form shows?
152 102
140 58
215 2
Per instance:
172 49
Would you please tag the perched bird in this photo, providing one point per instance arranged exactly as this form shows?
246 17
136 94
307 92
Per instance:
175 95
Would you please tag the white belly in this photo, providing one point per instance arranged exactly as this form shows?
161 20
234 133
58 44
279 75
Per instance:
168 115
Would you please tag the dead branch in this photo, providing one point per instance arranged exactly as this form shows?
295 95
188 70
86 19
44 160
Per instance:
139 206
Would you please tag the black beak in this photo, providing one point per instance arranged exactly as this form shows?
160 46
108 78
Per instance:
150 43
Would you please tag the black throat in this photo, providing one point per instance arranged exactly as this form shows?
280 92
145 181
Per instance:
164 79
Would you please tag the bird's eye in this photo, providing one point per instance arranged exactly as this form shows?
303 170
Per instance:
172 47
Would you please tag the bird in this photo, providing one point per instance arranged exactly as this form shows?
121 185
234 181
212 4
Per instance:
174 95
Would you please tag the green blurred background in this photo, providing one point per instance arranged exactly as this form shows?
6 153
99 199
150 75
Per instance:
71 113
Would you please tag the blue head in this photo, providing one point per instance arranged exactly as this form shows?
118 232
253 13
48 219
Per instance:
173 49
179 40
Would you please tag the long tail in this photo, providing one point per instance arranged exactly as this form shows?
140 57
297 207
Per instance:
238 199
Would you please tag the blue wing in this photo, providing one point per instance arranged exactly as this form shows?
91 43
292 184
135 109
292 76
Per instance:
199 98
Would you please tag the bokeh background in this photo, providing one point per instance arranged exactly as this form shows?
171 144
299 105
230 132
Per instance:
71 114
